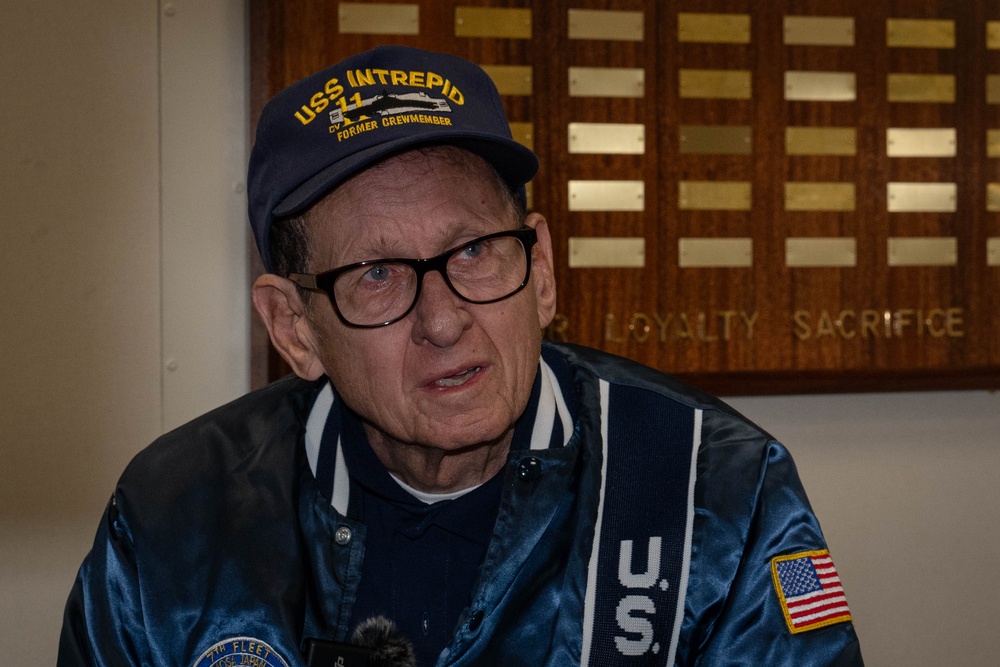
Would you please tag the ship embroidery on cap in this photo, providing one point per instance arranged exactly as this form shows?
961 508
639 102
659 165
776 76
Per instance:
809 589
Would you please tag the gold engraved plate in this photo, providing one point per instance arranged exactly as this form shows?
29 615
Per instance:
818 251
702 252
821 141
992 143
819 30
727 84
613 138
820 86
524 134
993 251
511 79
927 251
607 195
378 18
607 82
921 88
993 196
922 197
920 142
610 252
716 139
714 28
819 196
606 24
993 89
714 195
993 34
493 22
920 33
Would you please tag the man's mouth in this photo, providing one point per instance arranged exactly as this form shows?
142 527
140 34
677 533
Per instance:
458 378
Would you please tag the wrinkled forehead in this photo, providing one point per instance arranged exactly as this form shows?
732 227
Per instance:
411 204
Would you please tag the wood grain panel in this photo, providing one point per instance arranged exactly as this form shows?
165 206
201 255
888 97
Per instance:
766 327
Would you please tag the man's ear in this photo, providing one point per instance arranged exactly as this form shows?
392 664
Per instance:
542 270
280 307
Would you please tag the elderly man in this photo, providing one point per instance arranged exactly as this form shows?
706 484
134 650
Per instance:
502 500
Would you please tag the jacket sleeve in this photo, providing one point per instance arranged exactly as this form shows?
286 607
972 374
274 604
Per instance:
751 514
103 622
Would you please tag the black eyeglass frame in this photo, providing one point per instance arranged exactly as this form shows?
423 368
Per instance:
323 282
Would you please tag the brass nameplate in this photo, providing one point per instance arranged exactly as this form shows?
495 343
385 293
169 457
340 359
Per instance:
378 18
716 139
607 82
606 24
926 251
728 84
493 22
607 195
922 197
818 252
704 252
524 134
992 143
993 34
614 138
921 87
920 33
993 251
714 195
628 252
511 79
821 141
920 142
714 28
993 89
816 196
993 197
820 86
819 30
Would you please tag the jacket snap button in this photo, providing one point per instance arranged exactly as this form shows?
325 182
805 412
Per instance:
529 469
343 536
476 620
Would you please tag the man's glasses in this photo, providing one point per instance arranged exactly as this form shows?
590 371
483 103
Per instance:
379 292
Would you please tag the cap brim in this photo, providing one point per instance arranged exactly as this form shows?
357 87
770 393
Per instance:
515 163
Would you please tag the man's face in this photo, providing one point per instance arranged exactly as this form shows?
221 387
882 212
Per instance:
451 374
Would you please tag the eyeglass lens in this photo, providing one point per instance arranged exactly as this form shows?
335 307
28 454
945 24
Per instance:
482 271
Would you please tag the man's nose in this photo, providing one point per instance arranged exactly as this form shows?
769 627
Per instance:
440 316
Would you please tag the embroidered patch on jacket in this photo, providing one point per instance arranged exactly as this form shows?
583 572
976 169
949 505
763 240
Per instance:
809 589
240 651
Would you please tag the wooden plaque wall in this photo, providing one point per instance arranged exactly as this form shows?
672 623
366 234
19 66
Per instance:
759 197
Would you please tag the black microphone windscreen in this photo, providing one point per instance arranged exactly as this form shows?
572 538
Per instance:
389 647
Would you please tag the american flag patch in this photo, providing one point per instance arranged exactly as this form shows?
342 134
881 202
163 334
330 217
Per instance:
809 589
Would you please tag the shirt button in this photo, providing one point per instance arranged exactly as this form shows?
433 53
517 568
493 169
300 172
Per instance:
476 620
529 469
343 536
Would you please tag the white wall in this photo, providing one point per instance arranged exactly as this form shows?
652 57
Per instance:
905 486
122 246
122 127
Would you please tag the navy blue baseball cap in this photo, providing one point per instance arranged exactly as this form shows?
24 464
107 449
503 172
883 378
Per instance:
327 127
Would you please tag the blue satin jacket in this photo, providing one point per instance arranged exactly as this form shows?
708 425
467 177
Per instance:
664 529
